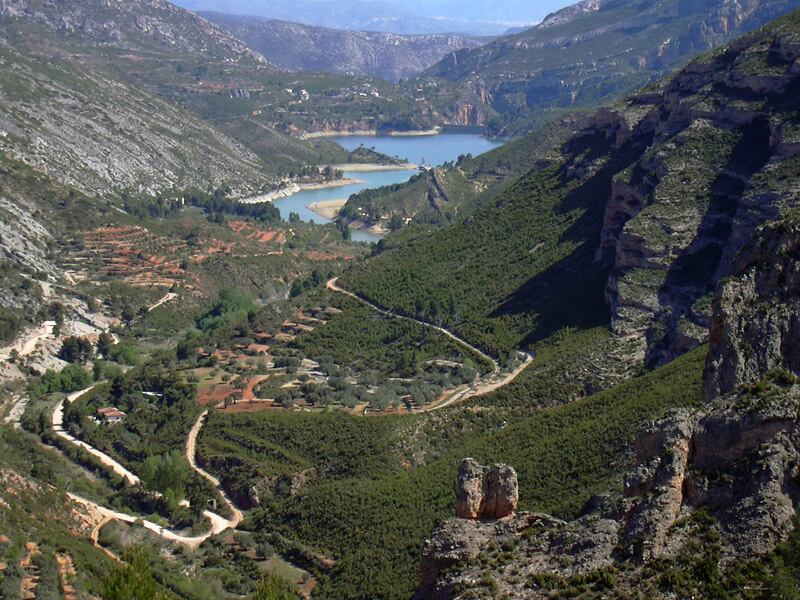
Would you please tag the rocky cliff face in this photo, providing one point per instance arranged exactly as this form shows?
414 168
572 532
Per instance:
298 47
727 473
755 328
713 151
545 68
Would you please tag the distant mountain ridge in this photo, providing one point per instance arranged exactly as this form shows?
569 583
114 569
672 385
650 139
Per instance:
360 15
298 47
588 53
139 25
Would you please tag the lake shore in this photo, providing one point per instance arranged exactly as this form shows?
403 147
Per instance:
327 209
372 133
373 167
294 188
374 229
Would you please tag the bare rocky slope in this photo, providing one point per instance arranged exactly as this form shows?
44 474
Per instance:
101 135
299 47
64 113
139 96
155 26
585 54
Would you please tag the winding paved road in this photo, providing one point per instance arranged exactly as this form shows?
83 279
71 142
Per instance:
483 386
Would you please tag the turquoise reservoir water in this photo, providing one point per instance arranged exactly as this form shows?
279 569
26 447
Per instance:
434 149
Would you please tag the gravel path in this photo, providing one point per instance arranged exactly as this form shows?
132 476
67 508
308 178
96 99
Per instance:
218 523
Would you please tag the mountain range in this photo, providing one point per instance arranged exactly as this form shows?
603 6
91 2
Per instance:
298 47
570 369
367 15
591 52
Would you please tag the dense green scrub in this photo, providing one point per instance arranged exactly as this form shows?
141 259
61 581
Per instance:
33 481
519 269
364 340
371 515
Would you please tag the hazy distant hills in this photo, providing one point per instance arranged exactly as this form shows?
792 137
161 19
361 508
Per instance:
298 47
363 15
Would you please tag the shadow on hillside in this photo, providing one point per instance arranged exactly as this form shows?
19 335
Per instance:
726 225
571 292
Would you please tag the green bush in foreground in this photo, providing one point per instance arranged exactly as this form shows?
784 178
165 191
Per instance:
133 580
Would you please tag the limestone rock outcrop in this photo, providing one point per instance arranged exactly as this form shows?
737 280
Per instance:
700 155
755 328
486 492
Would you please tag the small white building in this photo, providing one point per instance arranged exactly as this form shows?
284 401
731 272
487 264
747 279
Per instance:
111 415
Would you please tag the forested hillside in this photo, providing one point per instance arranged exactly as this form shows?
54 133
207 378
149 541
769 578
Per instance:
597 225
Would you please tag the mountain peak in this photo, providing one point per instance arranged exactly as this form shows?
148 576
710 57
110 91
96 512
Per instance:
566 15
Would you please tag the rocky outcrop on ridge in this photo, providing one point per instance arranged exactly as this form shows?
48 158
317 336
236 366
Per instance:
486 501
732 468
727 472
486 492
755 328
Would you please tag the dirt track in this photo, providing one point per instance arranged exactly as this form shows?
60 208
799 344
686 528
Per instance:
483 386
191 450
58 429
218 523
334 287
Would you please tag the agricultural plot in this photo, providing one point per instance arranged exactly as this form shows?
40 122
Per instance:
332 352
